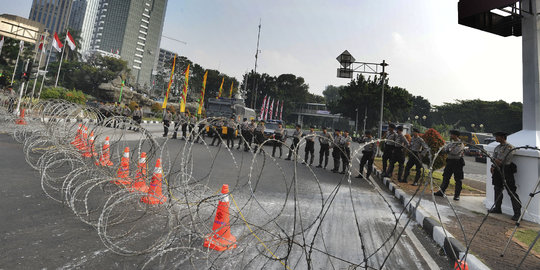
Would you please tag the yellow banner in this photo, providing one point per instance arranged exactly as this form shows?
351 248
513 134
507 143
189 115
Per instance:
230 92
201 102
170 83
221 88
184 92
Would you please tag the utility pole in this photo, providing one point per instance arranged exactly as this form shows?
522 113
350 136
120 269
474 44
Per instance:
346 60
255 83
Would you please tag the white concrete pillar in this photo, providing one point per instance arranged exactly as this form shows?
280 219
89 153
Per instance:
527 161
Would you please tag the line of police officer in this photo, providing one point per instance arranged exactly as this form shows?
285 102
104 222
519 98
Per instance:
395 148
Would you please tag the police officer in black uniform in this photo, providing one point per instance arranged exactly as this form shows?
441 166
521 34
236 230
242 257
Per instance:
336 150
310 146
368 155
324 152
296 139
502 156
388 147
454 165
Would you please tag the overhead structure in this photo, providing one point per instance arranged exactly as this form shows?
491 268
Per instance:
516 18
500 17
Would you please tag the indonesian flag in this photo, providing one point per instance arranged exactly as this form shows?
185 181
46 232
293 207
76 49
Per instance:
262 108
1 44
41 44
272 109
266 109
57 44
281 113
277 109
70 41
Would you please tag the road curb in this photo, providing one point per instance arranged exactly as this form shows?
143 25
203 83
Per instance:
451 246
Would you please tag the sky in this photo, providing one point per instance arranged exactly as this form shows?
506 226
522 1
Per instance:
428 52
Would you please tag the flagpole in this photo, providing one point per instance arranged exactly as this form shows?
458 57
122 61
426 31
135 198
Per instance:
26 90
60 66
16 63
45 74
37 73
21 92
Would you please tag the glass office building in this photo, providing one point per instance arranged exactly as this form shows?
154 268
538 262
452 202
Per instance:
131 28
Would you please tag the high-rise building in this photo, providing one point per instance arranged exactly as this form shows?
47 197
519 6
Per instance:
53 14
76 18
132 28
82 19
164 57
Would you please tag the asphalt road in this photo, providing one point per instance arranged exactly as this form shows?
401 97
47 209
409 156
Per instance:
327 218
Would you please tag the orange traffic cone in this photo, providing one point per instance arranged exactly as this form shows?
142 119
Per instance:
88 150
461 265
21 120
123 170
139 182
155 195
221 239
84 137
105 160
77 139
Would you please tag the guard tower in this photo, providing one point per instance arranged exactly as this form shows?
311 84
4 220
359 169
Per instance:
515 18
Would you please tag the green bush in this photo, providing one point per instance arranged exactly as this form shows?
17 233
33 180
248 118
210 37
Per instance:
51 93
75 96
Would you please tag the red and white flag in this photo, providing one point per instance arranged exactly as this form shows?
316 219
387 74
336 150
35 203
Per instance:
41 44
117 51
277 109
266 108
70 41
281 113
57 44
1 44
272 109
262 109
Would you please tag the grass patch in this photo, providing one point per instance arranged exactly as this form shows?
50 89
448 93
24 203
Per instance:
527 236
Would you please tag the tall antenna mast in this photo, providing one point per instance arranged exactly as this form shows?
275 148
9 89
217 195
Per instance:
255 83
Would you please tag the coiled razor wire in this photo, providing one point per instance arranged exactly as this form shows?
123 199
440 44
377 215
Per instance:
286 229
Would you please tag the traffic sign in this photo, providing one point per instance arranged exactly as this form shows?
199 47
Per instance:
345 59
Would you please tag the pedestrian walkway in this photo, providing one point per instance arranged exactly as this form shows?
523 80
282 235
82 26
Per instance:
466 221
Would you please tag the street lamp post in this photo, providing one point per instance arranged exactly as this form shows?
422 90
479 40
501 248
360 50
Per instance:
356 122
346 60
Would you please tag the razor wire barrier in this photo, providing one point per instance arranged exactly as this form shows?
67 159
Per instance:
286 230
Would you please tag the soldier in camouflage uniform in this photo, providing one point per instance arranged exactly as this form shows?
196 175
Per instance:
454 165
503 155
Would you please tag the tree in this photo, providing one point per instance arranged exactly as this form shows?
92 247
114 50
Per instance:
9 56
362 94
